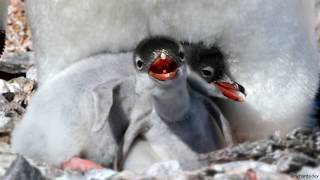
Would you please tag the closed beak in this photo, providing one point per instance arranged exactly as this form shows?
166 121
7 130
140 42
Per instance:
231 90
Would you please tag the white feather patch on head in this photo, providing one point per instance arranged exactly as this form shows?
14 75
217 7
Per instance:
163 55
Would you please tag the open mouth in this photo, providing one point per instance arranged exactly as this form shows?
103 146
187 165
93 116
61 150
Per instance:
163 69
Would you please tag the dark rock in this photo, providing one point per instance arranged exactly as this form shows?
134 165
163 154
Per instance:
293 162
299 149
21 169
299 141
9 96
8 115
14 97
15 65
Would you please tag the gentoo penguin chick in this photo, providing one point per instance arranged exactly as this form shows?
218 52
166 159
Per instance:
182 123
79 115
272 52
210 64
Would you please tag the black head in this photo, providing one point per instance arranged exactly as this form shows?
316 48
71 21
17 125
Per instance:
211 65
159 56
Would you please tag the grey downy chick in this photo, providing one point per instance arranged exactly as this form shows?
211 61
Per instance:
209 63
181 123
91 118
79 113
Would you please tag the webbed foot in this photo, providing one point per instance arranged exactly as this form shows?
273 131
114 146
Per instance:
77 163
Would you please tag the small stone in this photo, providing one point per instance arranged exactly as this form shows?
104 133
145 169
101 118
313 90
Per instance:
293 162
100 174
9 96
21 169
6 159
6 123
164 169
3 87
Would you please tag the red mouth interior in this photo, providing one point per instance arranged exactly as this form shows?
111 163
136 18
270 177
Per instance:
163 69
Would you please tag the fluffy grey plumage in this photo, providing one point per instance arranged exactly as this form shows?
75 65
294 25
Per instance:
82 111
210 64
272 53
85 111
270 44
180 123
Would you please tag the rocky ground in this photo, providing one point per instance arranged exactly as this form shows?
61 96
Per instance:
18 33
297 156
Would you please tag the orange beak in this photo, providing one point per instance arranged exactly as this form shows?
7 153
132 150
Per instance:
233 91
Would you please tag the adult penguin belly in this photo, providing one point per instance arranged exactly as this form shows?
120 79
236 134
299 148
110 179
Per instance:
81 28
271 54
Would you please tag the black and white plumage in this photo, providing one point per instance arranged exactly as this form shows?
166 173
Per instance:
181 124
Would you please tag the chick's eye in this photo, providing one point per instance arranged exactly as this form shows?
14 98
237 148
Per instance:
207 72
139 64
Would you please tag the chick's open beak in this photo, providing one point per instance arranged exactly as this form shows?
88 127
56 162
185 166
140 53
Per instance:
163 68
231 90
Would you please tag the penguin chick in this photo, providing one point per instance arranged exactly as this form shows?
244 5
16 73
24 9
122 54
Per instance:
210 65
272 53
81 113
182 123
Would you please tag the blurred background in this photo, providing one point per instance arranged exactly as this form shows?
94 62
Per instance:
18 33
